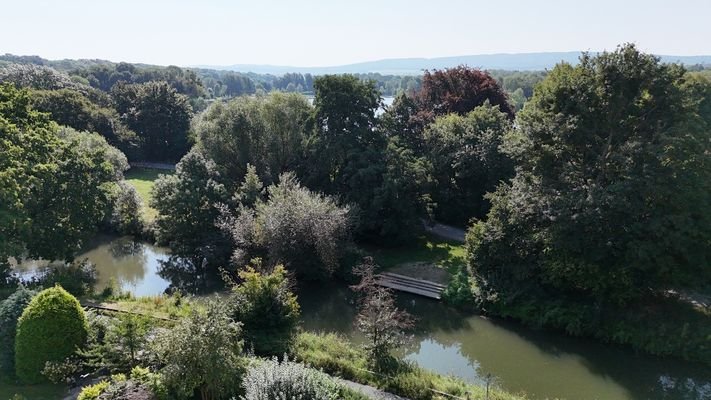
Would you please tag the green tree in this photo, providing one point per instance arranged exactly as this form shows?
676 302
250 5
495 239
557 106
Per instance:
187 204
41 177
202 354
73 109
159 115
251 190
466 161
346 147
609 200
305 231
51 328
265 305
267 132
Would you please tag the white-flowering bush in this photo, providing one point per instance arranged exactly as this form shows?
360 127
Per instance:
272 380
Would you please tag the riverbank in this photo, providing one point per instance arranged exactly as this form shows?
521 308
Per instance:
336 356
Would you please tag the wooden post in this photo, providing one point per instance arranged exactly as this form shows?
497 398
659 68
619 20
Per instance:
488 380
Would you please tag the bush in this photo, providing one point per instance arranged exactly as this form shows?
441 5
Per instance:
459 291
10 310
272 380
51 328
117 344
93 392
203 353
268 310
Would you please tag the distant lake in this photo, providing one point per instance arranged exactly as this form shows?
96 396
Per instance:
387 102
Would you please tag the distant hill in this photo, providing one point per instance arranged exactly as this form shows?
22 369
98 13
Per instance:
415 66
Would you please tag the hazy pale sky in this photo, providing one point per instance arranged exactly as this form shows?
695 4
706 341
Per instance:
335 32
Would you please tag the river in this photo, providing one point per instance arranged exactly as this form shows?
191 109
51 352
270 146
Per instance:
542 364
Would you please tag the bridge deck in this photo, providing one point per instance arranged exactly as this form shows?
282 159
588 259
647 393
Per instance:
408 284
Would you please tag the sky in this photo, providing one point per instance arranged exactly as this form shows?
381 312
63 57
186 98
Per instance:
311 33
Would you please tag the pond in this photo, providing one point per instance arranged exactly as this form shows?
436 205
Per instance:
542 364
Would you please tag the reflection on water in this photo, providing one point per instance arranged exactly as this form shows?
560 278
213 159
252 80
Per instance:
132 265
543 364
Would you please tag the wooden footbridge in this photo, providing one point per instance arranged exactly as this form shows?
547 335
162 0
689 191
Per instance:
407 284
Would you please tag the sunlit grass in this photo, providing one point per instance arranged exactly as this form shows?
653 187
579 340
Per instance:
426 248
143 179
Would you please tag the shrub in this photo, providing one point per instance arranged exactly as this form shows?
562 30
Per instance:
10 310
203 353
268 310
117 344
93 392
51 328
272 380
459 290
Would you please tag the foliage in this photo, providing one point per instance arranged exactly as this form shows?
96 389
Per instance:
117 344
346 151
403 198
594 228
251 189
72 108
286 380
303 230
126 216
202 353
87 143
595 209
265 305
51 328
38 77
459 291
466 161
459 90
378 319
187 205
267 132
159 115
10 311
106 75
93 392
41 175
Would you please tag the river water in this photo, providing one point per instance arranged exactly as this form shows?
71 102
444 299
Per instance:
542 364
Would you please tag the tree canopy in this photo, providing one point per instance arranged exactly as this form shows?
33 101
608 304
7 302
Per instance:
596 208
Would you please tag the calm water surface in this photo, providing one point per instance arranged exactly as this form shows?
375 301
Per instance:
542 364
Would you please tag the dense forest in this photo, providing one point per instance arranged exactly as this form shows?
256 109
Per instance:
584 190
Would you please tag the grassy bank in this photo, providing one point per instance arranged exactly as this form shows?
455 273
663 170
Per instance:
425 249
336 356
143 179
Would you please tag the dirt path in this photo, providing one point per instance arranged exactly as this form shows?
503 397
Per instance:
152 165
447 232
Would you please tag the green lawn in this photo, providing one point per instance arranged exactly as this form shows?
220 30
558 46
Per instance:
142 179
430 249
